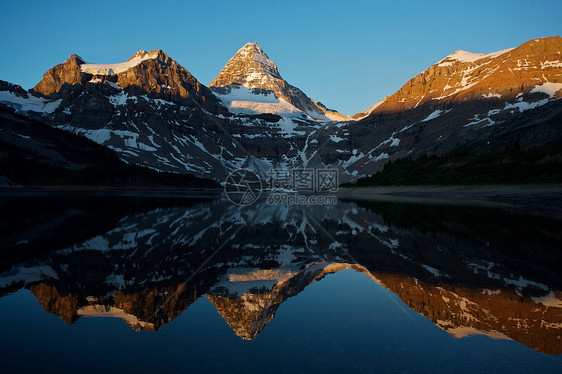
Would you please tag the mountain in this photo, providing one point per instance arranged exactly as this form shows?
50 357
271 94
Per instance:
250 83
248 299
467 101
153 112
519 74
151 72
150 110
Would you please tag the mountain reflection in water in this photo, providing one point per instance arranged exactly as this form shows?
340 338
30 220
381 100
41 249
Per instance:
146 260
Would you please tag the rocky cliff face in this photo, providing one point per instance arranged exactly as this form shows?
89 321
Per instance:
68 72
64 306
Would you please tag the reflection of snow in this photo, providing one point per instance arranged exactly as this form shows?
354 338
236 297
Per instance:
462 332
112 312
27 275
434 271
549 300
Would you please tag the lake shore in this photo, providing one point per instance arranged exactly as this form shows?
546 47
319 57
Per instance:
537 200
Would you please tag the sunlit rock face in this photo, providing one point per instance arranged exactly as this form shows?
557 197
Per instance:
148 267
510 75
151 72
250 67
53 302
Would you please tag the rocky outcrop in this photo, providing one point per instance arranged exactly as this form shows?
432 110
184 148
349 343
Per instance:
68 72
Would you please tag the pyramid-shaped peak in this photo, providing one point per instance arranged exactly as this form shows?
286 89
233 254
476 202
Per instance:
253 51
252 47
249 66
251 44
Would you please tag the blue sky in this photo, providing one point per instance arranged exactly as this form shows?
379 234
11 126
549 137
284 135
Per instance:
337 52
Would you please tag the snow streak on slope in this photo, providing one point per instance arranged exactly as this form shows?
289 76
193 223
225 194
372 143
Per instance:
29 104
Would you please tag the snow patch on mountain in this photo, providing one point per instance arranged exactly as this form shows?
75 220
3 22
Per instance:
113 312
549 88
434 115
243 100
523 105
29 104
465 56
114 69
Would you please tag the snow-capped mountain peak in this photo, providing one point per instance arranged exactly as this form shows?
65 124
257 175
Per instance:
251 67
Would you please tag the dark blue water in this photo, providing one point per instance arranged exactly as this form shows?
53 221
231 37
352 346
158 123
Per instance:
404 289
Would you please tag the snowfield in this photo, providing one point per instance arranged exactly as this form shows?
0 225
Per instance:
114 69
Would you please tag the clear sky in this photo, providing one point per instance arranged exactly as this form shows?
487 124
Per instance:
337 52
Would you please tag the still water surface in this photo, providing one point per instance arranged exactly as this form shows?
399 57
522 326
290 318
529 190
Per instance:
195 284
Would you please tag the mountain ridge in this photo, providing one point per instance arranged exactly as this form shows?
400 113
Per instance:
155 113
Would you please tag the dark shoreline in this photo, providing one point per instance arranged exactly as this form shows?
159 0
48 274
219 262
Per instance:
536 200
